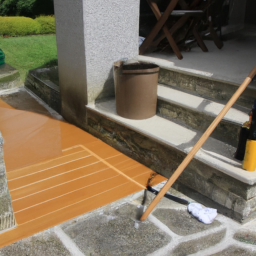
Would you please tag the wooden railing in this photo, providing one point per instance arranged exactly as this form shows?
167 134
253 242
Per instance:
199 144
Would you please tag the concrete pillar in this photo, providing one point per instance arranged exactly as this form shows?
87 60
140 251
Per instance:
91 35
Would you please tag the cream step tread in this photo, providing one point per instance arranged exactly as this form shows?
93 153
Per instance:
215 153
199 104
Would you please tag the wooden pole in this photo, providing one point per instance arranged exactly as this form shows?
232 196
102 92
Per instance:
199 144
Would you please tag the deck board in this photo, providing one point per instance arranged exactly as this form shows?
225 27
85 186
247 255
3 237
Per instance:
70 198
52 172
58 162
53 187
61 189
72 150
67 213
57 180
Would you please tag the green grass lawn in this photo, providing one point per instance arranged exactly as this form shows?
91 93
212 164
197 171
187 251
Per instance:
29 52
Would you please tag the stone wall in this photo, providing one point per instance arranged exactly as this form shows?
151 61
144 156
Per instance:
6 212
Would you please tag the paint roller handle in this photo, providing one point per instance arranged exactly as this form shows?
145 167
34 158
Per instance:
199 144
252 73
169 196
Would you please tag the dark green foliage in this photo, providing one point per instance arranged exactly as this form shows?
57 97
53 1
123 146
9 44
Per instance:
8 7
28 8
42 7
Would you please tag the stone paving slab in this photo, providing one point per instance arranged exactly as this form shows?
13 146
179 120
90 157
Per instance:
235 251
246 236
198 244
113 233
181 222
43 244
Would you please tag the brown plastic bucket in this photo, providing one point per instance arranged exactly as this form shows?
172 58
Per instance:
136 89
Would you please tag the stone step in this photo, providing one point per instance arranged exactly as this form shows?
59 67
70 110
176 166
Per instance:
162 144
198 113
9 77
201 83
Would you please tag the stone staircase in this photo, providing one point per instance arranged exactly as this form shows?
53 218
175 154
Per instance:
187 104
188 101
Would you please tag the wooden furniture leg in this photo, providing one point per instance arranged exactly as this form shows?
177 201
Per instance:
214 35
198 36
165 29
176 26
158 26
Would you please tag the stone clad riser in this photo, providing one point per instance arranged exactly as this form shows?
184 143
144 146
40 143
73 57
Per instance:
226 131
233 197
206 87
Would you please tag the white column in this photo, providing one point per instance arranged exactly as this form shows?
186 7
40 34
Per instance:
91 35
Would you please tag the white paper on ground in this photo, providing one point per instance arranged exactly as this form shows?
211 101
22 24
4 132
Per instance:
205 215
141 39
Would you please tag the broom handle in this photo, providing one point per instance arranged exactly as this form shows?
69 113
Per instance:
199 144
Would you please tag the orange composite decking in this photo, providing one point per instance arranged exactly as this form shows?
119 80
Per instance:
56 171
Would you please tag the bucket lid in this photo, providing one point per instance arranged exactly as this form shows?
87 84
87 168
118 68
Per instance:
140 68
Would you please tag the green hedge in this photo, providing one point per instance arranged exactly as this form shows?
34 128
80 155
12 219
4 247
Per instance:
47 24
22 26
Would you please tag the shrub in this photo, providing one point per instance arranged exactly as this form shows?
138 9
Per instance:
28 8
22 26
18 26
47 24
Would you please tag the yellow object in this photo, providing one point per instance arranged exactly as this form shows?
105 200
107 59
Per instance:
249 163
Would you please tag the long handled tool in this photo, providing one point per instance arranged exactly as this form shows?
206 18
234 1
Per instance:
199 144
169 196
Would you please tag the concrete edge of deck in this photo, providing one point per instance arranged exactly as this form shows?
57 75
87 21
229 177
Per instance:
7 219
9 77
